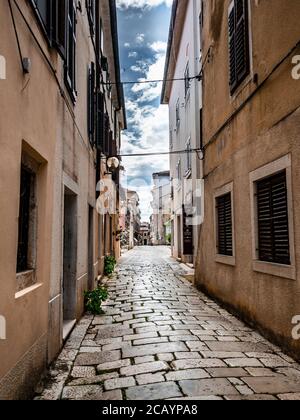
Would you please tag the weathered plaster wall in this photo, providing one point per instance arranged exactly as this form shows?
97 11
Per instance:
266 129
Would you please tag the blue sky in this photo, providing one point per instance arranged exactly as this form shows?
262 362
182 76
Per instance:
143 34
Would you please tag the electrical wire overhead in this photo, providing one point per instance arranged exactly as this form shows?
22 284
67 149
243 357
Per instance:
175 152
142 82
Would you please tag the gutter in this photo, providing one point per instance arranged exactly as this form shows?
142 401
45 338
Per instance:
115 39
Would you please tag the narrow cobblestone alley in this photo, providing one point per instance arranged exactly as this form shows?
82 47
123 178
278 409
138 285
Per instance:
162 339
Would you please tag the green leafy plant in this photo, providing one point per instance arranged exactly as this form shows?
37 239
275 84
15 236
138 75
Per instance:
109 265
169 238
94 299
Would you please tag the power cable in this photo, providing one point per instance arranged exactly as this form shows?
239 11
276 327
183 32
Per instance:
176 152
142 82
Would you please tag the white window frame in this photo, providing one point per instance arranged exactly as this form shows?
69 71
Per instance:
274 269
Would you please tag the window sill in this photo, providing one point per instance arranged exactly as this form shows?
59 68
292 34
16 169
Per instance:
277 270
224 259
241 87
25 280
27 291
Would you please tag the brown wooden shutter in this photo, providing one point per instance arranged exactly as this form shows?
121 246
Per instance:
232 65
91 12
91 104
106 135
224 220
59 16
100 121
273 221
239 60
110 145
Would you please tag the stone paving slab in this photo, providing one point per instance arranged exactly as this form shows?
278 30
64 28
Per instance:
161 339
160 391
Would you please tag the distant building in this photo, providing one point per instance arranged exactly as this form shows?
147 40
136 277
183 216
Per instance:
130 219
145 234
161 205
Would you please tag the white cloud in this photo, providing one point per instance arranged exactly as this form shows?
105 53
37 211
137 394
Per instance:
136 69
132 54
140 38
153 124
159 47
148 128
140 4
127 45
155 71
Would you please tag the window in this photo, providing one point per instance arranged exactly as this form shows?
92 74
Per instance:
239 50
91 12
178 113
70 68
187 82
171 140
100 121
160 198
27 192
188 157
43 11
179 172
273 220
91 103
224 225
52 16
201 129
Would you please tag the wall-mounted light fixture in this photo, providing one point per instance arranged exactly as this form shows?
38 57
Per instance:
112 164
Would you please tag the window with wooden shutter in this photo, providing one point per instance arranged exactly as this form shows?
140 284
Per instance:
273 220
239 50
106 134
224 225
59 14
110 145
100 121
91 12
24 215
91 103
70 63
43 10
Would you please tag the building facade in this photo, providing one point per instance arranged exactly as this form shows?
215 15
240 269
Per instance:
248 255
144 234
184 98
130 219
60 58
161 205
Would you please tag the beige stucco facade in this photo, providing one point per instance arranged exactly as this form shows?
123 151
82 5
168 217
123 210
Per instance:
42 126
248 136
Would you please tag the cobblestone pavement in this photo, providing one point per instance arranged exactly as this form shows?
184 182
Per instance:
162 339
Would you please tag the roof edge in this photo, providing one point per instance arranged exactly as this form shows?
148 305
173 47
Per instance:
170 43
115 39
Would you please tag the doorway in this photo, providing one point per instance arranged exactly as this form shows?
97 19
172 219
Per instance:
91 275
69 261
179 237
